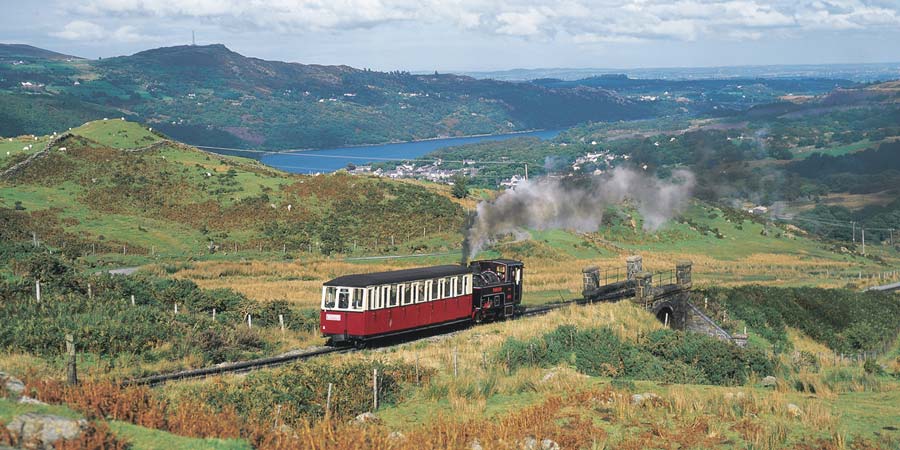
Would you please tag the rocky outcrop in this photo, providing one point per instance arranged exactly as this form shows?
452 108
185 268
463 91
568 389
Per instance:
12 384
42 431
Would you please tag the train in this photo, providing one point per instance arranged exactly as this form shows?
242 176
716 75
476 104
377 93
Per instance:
360 308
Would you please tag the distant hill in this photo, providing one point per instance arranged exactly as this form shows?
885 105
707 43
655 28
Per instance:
211 95
29 52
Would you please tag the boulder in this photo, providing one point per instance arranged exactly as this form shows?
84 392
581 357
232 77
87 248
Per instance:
529 443
646 397
26 400
366 417
475 445
42 431
549 444
794 410
12 384
396 436
769 381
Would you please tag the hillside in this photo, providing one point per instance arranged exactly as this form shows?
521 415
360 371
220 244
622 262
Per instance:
211 95
113 184
28 52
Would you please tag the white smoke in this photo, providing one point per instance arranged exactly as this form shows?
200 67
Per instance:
576 204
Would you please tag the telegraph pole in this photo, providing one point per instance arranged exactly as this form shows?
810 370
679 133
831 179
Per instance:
526 171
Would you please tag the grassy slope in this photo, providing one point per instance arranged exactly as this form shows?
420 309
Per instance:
175 199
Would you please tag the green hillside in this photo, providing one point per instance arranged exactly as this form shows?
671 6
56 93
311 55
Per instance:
114 183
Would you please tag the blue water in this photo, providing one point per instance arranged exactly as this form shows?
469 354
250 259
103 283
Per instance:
332 159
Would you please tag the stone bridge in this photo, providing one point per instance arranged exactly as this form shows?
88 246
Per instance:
666 294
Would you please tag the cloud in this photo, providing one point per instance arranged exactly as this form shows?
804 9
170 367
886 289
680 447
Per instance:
585 21
80 30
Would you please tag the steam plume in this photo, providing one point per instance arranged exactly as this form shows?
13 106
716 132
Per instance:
577 204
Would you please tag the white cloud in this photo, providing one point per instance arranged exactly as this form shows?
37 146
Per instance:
80 30
584 20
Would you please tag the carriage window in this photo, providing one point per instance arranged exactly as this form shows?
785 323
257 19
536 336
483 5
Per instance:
328 297
435 294
420 292
460 285
343 298
443 288
452 287
392 294
467 284
372 293
358 299
407 294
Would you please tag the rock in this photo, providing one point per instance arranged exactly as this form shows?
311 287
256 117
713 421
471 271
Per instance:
26 400
475 445
42 431
12 384
366 417
548 444
639 399
769 381
549 376
397 436
729 396
529 443
794 410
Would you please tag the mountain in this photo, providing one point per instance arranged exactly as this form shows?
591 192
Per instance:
29 52
210 95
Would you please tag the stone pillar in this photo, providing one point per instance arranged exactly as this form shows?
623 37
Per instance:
591 278
634 264
683 273
643 291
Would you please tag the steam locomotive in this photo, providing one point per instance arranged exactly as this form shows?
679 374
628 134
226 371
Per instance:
359 308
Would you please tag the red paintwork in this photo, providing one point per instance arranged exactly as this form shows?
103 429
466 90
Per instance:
399 318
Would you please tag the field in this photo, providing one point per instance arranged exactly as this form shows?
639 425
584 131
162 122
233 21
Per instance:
599 376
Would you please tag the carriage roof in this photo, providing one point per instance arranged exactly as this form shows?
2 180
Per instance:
398 276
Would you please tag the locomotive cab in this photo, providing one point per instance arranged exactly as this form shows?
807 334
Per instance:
497 288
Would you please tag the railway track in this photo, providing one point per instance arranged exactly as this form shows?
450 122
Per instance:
279 360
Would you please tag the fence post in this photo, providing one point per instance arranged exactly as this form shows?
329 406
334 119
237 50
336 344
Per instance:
71 368
328 403
281 323
249 321
132 299
37 290
455 361
90 292
374 390
176 307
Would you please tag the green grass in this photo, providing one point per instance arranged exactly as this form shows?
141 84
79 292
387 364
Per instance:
15 147
836 151
9 409
148 439
117 133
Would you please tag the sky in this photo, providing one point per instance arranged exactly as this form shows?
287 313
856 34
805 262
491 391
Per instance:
470 35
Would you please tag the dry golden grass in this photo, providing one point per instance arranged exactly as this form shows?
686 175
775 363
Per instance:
300 281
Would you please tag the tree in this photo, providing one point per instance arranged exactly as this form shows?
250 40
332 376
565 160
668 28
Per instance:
460 186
